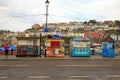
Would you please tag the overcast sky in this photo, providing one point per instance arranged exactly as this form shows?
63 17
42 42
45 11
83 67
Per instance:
19 15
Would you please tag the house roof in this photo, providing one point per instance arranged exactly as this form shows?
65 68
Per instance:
26 38
94 35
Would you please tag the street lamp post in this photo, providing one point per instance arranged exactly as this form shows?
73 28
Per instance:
40 44
47 4
46 30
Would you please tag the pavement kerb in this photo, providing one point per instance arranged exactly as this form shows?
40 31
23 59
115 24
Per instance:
38 58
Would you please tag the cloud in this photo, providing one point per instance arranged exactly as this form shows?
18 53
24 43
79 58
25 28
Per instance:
108 9
5 2
87 9
22 14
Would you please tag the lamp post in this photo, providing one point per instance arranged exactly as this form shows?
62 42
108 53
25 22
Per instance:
46 30
47 4
40 44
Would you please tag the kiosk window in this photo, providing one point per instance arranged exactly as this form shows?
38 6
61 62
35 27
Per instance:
83 50
80 50
110 45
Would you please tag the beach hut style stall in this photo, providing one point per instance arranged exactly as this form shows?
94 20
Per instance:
80 46
108 46
54 46
27 46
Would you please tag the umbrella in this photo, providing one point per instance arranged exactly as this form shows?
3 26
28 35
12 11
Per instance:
2 49
56 37
11 47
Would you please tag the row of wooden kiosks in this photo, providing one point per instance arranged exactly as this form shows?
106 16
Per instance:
80 46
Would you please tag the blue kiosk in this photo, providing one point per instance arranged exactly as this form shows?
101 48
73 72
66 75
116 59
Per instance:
108 46
80 46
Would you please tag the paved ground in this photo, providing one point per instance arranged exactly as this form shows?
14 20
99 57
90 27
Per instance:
96 57
95 67
60 69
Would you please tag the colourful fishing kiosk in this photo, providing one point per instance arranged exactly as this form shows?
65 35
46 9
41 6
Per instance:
108 46
54 46
80 46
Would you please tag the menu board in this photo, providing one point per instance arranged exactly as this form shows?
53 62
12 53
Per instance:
47 44
80 44
22 42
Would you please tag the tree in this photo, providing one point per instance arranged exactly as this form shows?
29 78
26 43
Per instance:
92 21
85 22
117 23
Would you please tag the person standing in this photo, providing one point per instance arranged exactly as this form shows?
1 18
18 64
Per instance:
93 51
6 48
